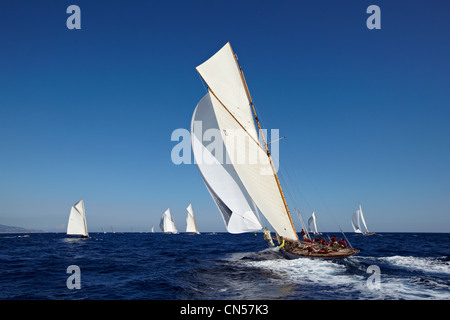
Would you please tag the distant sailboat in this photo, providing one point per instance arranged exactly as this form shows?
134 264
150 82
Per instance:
356 218
241 187
167 224
153 229
312 221
77 220
103 230
191 226
112 230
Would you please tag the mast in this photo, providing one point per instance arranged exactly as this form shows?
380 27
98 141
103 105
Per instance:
264 140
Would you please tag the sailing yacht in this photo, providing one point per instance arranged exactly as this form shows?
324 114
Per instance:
191 226
167 223
238 186
358 217
77 220
312 221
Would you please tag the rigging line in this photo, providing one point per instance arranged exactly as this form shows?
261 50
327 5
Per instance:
236 119
328 209
223 105
299 214
289 194
296 205
294 200
321 198
297 190
290 184
247 91
303 224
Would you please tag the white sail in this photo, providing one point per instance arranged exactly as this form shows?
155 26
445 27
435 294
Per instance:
221 74
312 221
355 222
167 224
153 229
190 221
234 115
362 219
77 220
237 208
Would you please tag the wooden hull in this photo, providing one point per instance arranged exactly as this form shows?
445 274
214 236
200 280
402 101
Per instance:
301 250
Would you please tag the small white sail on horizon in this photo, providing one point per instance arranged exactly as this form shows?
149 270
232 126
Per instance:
191 226
77 220
167 223
356 218
312 221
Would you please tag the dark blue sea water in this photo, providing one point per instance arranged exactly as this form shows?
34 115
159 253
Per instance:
220 266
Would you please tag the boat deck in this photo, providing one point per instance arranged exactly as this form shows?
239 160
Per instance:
318 251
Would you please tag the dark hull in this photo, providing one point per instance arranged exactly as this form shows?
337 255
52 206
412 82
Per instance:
301 250
332 255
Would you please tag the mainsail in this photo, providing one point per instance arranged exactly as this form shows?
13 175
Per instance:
77 220
167 224
232 110
191 226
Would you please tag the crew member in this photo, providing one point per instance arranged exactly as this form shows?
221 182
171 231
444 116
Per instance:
268 237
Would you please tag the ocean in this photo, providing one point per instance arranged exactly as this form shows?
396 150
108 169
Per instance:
222 266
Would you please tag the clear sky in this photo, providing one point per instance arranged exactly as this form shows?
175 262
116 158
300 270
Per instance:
89 113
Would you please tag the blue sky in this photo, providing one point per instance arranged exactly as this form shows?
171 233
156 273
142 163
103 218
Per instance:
89 113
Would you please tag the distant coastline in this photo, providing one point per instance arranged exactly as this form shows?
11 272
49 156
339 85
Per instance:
13 229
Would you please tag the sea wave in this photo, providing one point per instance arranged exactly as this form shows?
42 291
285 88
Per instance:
310 271
425 264
335 278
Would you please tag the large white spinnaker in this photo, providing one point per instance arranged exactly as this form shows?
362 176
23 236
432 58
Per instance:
77 220
167 224
234 117
191 226
238 211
